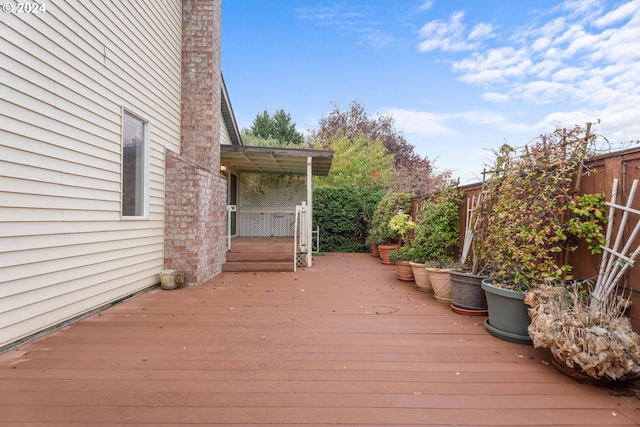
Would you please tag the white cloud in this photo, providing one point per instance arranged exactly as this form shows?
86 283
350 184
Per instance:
426 5
625 11
450 36
348 21
428 125
496 97
425 124
376 39
576 58
568 74
481 31
495 66
578 61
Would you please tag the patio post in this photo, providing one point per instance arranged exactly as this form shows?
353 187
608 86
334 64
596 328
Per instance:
309 229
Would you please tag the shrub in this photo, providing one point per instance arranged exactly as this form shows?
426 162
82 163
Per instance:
533 211
343 215
391 203
438 234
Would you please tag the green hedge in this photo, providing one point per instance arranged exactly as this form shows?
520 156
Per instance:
343 215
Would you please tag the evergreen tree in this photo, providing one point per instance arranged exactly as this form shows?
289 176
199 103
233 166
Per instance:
277 127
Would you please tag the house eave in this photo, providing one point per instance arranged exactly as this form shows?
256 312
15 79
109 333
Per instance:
272 160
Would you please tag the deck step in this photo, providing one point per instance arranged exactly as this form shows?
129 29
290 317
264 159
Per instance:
258 266
259 256
261 248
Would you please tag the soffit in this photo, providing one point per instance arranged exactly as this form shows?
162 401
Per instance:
270 160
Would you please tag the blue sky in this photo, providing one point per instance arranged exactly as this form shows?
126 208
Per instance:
459 77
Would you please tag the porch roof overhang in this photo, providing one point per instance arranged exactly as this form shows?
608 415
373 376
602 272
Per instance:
272 160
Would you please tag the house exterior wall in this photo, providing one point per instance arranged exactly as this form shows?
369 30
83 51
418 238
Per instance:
196 192
225 138
65 77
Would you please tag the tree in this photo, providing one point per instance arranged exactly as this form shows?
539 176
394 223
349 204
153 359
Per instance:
416 174
250 139
277 127
358 162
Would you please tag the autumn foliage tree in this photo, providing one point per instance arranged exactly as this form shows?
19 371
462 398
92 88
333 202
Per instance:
414 173
358 161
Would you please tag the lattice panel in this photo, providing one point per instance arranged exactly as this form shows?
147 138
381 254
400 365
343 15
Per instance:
266 224
301 259
271 191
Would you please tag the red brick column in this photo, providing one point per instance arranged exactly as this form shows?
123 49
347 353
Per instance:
195 193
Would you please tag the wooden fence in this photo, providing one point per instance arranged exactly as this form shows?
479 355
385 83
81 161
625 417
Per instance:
597 178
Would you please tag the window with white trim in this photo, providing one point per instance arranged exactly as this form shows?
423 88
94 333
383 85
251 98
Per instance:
135 143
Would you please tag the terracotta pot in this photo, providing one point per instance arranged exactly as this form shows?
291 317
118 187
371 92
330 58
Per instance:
384 252
441 282
421 276
405 272
374 250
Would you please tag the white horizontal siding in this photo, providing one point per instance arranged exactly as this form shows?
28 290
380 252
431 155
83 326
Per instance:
73 264
65 77
225 138
69 304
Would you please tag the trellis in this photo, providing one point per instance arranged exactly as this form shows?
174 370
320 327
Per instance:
472 204
615 261
266 204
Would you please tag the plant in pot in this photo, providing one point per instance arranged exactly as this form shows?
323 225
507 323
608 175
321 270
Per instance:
400 257
527 205
439 275
585 327
401 223
379 232
437 236
468 297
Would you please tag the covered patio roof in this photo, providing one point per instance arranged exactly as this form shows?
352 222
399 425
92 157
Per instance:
271 160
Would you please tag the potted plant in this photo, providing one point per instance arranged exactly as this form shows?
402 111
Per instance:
172 279
585 327
420 273
468 297
400 257
401 223
527 202
436 239
379 232
439 274
597 347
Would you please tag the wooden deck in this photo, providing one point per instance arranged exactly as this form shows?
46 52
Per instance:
342 343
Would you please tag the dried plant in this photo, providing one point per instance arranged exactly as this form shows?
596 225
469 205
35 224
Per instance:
602 344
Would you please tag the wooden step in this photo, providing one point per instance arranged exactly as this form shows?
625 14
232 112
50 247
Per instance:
261 248
260 256
257 266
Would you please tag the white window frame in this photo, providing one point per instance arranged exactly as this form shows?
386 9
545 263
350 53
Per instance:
145 165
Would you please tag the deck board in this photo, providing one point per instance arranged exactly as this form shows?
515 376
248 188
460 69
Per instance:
341 343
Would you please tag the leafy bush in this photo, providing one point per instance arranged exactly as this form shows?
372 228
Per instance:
533 211
438 234
343 215
401 223
401 254
391 203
